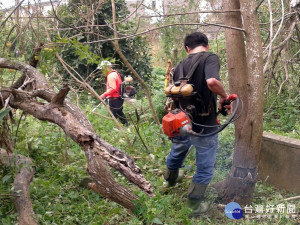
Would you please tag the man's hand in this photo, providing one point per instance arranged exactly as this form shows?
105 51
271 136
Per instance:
224 103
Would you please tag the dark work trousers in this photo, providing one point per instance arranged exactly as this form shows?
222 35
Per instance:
116 107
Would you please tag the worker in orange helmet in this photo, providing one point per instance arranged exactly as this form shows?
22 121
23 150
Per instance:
112 92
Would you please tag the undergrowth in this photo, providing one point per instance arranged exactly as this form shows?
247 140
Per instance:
59 198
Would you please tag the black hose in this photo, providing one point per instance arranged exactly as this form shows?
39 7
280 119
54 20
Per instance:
221 127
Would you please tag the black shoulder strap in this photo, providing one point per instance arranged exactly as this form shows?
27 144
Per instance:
180 67
201 57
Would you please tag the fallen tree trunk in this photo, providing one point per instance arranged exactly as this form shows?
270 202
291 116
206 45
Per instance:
22 182
72 120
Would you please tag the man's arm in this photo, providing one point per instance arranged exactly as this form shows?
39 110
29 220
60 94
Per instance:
217 87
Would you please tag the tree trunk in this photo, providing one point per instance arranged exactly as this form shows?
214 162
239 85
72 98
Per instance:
71 119
21 185
246 80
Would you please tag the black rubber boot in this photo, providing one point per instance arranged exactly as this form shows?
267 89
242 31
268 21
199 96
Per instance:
196 200
171 177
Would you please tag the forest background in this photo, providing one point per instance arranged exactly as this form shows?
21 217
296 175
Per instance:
67 45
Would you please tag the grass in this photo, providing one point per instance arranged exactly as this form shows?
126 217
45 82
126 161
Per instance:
58 198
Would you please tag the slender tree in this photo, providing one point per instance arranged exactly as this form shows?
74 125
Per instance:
245 66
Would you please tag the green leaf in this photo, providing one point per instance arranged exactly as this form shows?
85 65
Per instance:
6 178
73 195
157 221
4 113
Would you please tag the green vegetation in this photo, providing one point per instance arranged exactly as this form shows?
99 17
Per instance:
57 193
58 197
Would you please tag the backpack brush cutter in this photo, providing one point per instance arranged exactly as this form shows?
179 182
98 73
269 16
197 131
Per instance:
178 123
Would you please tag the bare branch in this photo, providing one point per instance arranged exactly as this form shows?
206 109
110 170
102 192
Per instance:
292 198
54 12
164 26
134 11
33 61
58 100
9 33
289 35
259 4
279 28
4 21
270 36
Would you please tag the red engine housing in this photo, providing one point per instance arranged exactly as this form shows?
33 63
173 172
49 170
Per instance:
173 121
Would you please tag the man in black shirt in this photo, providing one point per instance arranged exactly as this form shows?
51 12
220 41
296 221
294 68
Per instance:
206 81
